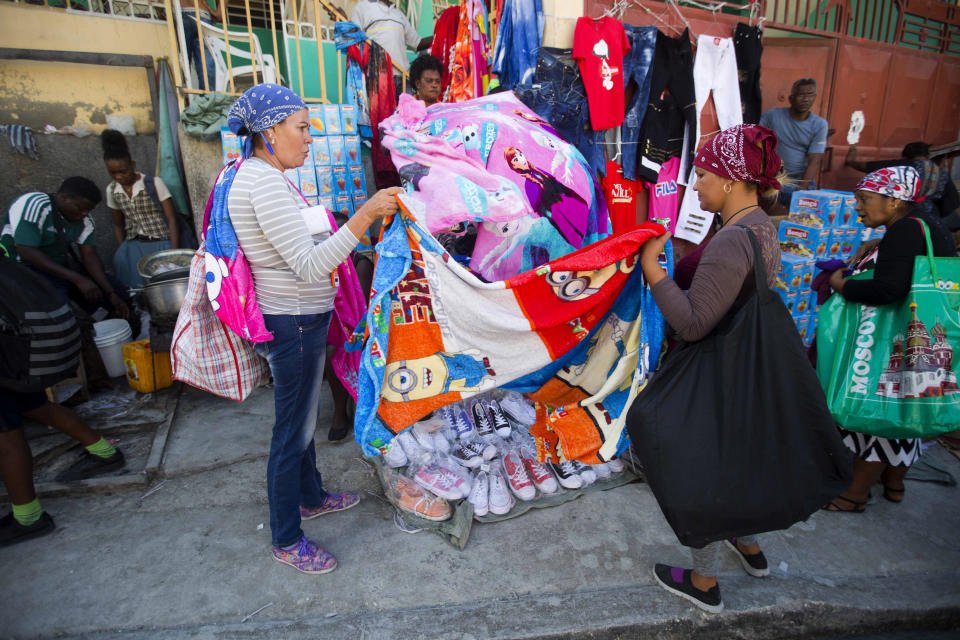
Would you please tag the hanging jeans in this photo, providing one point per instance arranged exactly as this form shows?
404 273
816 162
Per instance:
673 104
715 71
296 355
558 96
636 67
518 39
192 38
748 44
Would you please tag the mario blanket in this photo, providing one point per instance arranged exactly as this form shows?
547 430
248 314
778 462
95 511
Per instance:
579 334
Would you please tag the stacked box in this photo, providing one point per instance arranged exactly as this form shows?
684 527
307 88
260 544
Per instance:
331 119
315 116
320 150
808 206
340 181
348 119
815 239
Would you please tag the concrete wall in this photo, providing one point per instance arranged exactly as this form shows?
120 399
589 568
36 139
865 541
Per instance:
78 95
560 20
64 156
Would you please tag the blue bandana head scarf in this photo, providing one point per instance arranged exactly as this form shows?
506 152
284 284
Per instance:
259 108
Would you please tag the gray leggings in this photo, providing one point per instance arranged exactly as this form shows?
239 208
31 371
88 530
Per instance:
705 559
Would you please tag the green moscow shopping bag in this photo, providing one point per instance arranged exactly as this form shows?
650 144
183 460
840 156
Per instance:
888 370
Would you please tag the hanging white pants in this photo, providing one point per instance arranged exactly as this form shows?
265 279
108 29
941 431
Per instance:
714 71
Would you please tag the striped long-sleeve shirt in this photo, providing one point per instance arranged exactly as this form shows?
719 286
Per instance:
291 269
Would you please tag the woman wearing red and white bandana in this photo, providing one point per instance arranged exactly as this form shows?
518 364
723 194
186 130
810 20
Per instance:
885 197
734 169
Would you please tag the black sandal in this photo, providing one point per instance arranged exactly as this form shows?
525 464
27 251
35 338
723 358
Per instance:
889 493
858 507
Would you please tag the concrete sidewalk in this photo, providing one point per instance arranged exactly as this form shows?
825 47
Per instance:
192 560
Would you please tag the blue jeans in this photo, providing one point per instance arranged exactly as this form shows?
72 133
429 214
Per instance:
558 96
296 356
192 37
636 66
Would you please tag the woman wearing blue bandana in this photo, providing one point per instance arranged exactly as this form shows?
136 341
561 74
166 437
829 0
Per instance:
293 259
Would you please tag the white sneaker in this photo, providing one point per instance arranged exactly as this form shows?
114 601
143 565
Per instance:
440 442
518 408
424 438
602 470
393 454
517 478
479 495
434 423
615 465
500 501
567 475
588 475
411 447
538 472
447 486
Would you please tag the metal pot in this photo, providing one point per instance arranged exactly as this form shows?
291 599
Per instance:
155 264
164 298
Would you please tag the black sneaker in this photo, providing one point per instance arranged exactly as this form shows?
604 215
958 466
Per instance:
12 532
90 465
481 420
500 422
755 564
677 581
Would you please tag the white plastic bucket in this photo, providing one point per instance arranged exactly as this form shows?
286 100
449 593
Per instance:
110 336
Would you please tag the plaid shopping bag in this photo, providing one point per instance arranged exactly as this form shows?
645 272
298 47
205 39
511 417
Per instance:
205 353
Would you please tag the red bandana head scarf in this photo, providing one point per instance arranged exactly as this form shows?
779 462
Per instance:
745 153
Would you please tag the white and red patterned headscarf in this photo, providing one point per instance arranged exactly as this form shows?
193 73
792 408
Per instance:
902 183
745 153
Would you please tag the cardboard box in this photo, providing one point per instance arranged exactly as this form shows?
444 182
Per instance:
848 214
795 261
348 119
343 205
308 182
808 206
358 201
803 323
320 150
352 149
355 180
337 156
331 119
814 238
340 183
293 175
837 237
315 115
850 243
325 181
326 201
232 145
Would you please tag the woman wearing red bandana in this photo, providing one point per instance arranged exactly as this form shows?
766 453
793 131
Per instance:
885 197
734 170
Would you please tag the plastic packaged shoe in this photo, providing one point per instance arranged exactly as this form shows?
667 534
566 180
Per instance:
480 494
538 472
499 501
413 499
602 470
567 475
517 478
588 475
466 455
518 408
393 454
485 449
481 420
440 442
461 425
423 437
455 471
500 423
415 453
446 485
615 466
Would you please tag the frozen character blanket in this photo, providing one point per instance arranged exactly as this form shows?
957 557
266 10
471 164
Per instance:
579 335
494 162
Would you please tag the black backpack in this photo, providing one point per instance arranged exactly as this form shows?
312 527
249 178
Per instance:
39 334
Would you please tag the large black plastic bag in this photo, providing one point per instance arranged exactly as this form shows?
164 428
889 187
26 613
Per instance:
734 432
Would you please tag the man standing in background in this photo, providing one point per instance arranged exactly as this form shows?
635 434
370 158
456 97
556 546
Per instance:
387 26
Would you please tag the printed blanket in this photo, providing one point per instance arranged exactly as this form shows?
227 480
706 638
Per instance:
579 335
494 162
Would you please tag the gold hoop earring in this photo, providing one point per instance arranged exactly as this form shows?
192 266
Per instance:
727 188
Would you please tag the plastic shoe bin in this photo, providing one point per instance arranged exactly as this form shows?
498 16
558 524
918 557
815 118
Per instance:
110 336
146 371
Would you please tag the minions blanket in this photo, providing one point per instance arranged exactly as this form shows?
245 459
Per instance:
579 334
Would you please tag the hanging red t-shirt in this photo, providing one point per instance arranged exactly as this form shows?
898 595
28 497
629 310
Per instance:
599 45
621 198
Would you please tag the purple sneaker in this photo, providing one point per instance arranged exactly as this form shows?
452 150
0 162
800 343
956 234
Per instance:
333 502
306 557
